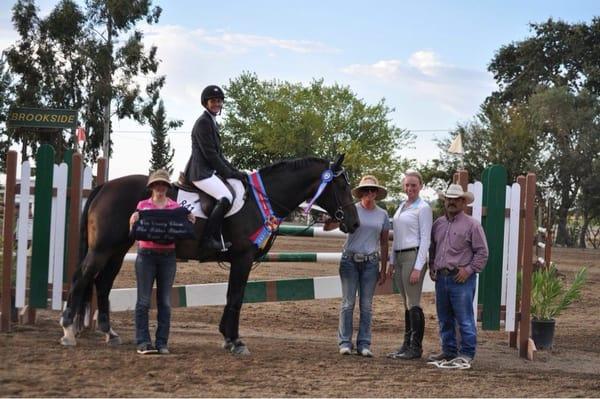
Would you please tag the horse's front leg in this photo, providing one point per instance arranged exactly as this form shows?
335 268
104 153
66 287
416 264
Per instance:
230 322
104 283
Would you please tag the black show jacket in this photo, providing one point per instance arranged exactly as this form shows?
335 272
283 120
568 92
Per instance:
207 156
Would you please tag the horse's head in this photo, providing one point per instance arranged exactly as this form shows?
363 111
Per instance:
337 198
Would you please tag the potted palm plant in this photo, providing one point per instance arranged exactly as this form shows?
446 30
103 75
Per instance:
549 297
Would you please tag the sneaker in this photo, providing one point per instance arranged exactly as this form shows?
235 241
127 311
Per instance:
396 353
439 357
163 351
146 349
460 362
366 352
344 350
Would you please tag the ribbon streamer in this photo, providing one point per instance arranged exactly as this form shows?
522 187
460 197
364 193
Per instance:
326 178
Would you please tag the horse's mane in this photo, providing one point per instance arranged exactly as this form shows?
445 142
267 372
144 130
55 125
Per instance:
293 164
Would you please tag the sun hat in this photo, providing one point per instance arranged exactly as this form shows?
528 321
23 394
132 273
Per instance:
159 175
456 191
369 181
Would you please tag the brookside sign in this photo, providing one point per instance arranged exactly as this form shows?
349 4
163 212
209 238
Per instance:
38 117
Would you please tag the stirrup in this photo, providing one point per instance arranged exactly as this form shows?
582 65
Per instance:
211 243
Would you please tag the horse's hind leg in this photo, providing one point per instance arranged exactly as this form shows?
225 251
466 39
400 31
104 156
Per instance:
104 282
230 321
80 294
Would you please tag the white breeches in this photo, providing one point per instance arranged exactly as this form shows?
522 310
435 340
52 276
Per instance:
214 187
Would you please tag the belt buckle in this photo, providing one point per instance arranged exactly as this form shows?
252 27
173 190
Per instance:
448 272
359 258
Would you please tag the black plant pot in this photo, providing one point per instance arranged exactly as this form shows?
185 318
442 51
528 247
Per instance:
542 333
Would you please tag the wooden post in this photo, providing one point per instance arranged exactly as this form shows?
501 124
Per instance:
463 178
522 180
527 265
101 172
548 249
9 218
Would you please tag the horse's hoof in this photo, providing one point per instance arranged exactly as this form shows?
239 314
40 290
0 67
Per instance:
236 347
227 345
66 341
240 350
113 339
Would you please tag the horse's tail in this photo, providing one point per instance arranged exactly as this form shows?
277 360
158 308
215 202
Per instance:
83 250
83 235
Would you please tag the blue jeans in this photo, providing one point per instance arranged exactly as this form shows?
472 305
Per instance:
454 303
149 266
362 277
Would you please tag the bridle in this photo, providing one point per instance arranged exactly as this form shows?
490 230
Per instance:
327 177
339 214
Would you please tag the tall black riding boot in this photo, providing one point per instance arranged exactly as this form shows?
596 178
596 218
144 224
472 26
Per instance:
407 332
407 335
417 326
212 231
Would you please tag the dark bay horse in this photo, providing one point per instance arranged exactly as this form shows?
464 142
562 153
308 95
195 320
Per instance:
105 237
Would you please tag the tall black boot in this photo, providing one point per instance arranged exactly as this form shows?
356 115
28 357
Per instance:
407 332
212 231
417 326
407 335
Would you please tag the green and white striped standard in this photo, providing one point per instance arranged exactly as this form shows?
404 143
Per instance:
256 291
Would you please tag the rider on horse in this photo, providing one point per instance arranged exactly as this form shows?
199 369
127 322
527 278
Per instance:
207 163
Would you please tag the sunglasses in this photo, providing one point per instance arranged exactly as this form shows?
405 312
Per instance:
370 190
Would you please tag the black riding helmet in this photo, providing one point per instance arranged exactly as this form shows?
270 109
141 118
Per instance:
209 92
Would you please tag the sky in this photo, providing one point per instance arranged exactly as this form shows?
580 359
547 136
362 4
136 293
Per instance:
427 59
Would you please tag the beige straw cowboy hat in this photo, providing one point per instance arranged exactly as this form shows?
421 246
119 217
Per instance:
369 181
159 175
456 191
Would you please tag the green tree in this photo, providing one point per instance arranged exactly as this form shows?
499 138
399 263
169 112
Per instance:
499 134
589 203
85 59
266 121
162 153
569 128
558 54
5 101
556 72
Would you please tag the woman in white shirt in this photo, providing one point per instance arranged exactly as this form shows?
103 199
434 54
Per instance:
412 235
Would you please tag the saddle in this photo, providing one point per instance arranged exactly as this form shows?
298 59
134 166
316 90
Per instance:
207 202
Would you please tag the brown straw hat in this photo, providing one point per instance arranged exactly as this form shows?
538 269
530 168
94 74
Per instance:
159 175
369 181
